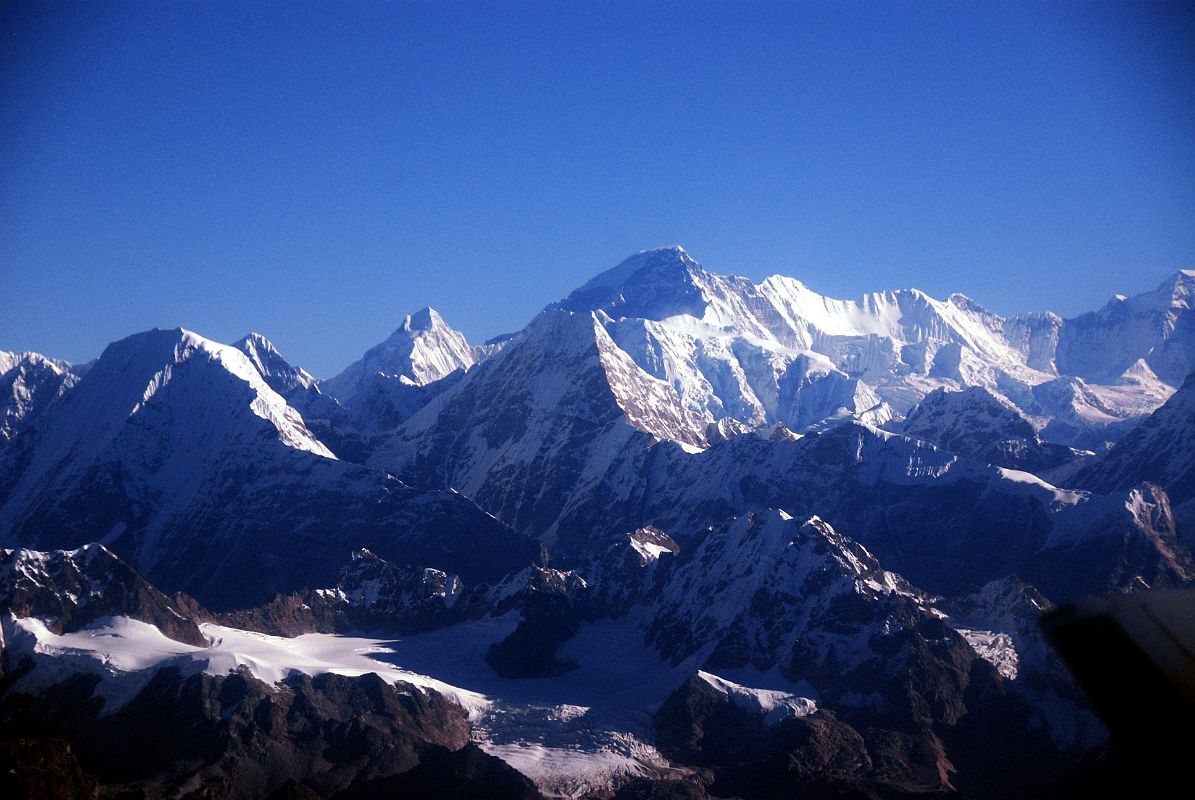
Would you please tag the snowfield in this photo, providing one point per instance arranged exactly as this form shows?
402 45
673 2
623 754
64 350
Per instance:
127 652
569 734
774 705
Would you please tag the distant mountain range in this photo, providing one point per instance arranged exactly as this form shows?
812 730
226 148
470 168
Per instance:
670 476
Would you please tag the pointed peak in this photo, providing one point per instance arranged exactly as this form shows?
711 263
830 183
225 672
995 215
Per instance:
674 252
425 319
1182 284
653 284
256 341
161 344
251 359
1138 372
422 350
30 359
817 526
656 260
282 376
960 300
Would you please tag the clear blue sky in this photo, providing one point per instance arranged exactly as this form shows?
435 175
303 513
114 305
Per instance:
317 171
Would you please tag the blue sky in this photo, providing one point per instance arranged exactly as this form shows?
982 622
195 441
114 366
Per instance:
317 171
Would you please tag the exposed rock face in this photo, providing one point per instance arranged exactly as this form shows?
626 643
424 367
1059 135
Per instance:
227 735
45 769
943 522
976 424
815 756
465 773
551 604
1161 450
373 594
883 695
545 420
240 738
585 425
68 589
630 571
1131 544
818 608
765 589
853 754
382 589
1001 621
369 594
29 382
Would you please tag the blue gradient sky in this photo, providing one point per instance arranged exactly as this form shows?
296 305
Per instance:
316 172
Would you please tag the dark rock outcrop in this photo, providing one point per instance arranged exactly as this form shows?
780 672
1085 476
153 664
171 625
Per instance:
234 736
975 424
43 769
68 589
464 774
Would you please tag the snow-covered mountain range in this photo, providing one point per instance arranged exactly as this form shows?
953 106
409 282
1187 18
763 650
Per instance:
176 452
725 343
675 503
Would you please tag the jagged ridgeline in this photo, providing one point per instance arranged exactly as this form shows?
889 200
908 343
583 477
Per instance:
683 535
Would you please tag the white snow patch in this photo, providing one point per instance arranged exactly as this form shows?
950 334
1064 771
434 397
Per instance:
649 550
995 648
127 650
772 704
570 772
